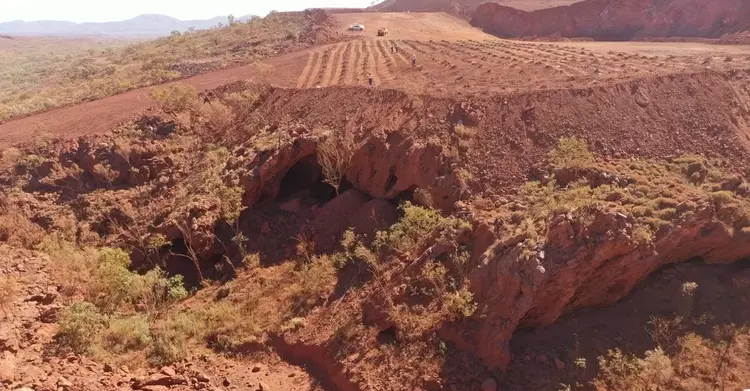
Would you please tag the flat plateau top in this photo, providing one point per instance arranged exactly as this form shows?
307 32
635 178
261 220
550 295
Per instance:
412 25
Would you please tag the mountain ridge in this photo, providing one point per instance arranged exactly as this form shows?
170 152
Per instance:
146 25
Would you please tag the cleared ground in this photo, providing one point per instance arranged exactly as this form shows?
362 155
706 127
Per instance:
412 25
453 59
663 48
533 5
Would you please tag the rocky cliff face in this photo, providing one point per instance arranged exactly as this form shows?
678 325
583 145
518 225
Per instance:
618 19
584 266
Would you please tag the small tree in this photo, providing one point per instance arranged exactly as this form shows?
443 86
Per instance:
334 156
192 255
231 20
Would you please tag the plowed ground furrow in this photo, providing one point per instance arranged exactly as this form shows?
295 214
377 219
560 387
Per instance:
362 63
436 62
580 63
314 69
373 65
485 51
302 80
425 52
322 69
389 59
409 49
501 54
473 63
509 54
458 53
557 62
333 65
385 51
341 63
386 63
403 53
412 48
350 64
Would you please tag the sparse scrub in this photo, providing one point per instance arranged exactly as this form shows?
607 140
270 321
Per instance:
79 326
459 304
437 276
663 331
619 371
686 299
103 278
571 153
166 349
87 69
466 136
416 227
175 98
17 229
125 334
10 158
8 293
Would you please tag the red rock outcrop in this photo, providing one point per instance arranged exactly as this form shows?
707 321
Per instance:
583 266
618 19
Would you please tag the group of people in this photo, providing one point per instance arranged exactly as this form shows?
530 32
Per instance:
394 49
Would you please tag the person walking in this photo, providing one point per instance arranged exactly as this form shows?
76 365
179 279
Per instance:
369 79
413 60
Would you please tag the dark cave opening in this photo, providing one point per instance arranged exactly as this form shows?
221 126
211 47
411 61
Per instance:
305 178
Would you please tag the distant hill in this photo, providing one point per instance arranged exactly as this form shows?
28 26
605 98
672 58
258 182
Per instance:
142 26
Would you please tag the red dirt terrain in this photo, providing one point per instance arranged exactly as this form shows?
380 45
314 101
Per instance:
570 198
453 59
618 19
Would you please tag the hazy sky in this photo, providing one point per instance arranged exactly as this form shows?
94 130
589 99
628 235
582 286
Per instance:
103 11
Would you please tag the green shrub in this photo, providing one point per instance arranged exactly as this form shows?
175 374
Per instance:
111 281
666 214
618 371
166 349
459 304
127 333
722 198
79 327
154 290
571 152
665 203
175 98
416 226
228 327
104 278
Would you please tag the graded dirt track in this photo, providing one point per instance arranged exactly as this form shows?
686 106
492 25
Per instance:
453 60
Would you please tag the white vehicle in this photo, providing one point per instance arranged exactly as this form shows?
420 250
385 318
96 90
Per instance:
357 27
